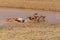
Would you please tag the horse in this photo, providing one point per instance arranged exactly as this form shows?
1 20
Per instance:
20 20
41 19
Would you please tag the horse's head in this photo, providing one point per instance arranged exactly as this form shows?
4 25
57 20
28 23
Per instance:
41 18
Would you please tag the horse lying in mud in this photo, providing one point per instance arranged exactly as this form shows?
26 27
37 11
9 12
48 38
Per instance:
31 19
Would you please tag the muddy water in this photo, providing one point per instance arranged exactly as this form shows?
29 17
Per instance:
51 17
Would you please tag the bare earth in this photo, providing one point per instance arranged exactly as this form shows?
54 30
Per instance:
51 5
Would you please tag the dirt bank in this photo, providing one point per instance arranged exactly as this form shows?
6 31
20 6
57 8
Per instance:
50 5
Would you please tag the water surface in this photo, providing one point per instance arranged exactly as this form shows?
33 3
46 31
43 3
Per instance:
51 17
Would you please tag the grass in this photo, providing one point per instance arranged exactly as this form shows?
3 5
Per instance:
50 5
29 32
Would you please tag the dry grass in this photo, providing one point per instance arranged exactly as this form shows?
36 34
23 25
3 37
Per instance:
51 5
29 32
